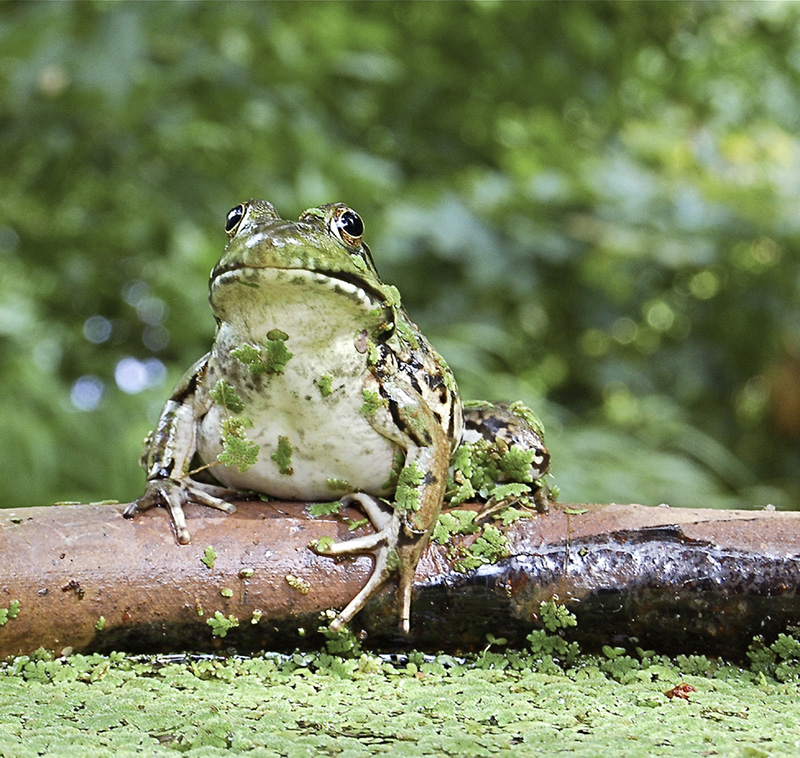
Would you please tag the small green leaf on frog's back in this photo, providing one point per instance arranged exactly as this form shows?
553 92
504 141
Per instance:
518 408
283 456
408 488
373 356
372 402
237 449
225 395
407 333
226 592
277 355
325 384
392 295
250 355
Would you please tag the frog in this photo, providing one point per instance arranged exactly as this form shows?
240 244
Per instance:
319 388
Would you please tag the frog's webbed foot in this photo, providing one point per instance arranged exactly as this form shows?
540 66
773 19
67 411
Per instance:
172 494
383 545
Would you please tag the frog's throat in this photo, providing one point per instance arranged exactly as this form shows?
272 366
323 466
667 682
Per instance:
346 283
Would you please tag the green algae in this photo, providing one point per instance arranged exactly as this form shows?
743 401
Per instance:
283 456
209 556
521 703
490 546
221 625
10 613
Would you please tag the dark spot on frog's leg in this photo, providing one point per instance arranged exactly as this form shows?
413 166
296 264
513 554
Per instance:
164 472
435 381
430 478
451 424
394 410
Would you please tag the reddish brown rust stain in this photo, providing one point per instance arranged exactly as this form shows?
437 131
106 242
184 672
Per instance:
682 690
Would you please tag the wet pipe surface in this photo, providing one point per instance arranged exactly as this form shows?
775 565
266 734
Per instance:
675 580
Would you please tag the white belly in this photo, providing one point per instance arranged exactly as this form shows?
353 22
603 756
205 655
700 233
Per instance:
335 449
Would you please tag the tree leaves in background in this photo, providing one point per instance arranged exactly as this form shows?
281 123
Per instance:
590 207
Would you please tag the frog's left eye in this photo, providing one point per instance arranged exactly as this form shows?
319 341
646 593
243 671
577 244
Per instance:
348 227
234 218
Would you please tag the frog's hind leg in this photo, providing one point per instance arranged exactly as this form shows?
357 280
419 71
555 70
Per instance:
381 545
502 427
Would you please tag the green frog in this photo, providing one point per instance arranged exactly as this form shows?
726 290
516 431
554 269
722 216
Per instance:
319 387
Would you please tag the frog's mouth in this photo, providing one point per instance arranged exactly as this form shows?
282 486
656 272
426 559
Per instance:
272 278
345 283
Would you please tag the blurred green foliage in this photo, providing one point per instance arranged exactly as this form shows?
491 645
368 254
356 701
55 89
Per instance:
593 207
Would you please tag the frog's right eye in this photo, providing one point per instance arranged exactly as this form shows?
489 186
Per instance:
234 218
347 226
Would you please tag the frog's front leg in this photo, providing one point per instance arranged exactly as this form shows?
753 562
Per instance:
168 454
402 532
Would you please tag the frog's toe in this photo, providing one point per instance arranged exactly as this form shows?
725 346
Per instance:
173 501
214 490
380 573
404 593
376 512
172 495
194 493
152 497
137 506
209 495
385 537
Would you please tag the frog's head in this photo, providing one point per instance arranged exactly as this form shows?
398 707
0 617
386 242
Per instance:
323 249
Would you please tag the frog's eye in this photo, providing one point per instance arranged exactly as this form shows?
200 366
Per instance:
348 227
234 218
